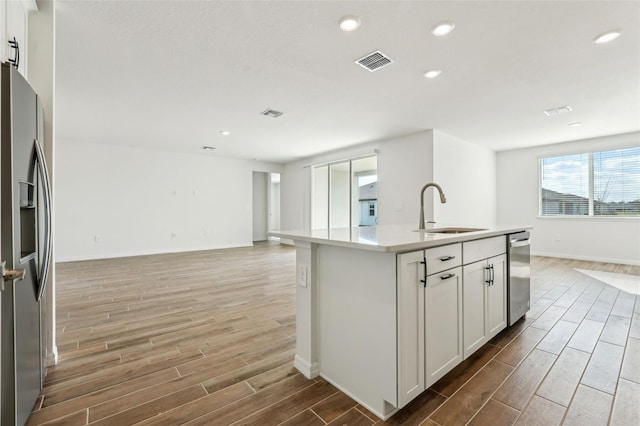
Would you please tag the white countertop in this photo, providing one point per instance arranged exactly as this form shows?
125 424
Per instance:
389 238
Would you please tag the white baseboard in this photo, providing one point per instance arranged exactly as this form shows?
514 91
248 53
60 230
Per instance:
61 259
588 258
358 400
310 371
52 357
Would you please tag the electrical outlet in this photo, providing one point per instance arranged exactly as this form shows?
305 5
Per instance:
557 238
97 238
302 275
173 235
206 232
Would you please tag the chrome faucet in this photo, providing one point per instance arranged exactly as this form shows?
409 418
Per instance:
443 200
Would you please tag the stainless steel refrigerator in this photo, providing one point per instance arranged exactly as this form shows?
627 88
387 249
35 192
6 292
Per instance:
25 246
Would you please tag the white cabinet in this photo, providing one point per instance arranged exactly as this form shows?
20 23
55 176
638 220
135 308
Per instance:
497 296
429 317
14 16
447 311
443 323
410 269
484 293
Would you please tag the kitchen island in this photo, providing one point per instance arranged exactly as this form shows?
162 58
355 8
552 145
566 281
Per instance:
383 312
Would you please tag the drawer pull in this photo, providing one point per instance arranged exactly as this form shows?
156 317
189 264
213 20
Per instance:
445 258
446 277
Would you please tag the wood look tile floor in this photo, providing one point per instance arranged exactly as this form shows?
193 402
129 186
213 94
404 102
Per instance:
208 338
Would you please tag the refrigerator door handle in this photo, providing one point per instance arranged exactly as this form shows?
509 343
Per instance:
46 192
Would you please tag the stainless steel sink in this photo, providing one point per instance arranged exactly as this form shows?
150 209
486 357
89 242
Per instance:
453 230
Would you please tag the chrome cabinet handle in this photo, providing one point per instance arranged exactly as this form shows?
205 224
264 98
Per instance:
48 245
488 280
445 258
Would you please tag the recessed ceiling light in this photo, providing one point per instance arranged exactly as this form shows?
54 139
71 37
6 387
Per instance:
206 147
432 73
576 124
349 23
443 28
607 37
225 133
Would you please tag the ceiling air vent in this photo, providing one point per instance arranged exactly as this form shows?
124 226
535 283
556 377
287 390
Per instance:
374 61
271 113
558 110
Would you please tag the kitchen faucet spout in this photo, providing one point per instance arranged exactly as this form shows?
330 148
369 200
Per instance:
443 200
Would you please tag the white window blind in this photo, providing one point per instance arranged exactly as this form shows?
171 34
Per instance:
616 182
564 187
596 183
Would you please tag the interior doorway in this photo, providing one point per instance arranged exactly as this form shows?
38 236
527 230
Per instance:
266 204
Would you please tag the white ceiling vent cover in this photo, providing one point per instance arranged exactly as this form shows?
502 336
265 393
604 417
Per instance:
271 113
374 61
558 110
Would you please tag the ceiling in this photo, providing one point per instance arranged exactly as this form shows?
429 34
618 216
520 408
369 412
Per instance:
172 75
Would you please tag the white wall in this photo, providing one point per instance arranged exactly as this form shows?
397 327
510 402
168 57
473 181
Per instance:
467 174
134 200
404 165
587 238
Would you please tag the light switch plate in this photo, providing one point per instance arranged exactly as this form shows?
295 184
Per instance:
302 275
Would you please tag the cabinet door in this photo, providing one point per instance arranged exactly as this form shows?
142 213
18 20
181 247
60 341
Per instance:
443 323
474 285
16 17
497 296
410 326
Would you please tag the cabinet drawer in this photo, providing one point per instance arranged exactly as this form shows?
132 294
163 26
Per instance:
483 249
443 258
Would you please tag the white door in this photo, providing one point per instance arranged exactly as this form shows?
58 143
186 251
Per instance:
260 216
273 201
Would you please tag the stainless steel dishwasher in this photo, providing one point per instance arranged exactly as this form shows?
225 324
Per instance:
519 272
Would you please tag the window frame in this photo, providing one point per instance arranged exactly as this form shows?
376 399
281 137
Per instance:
328 164
591 187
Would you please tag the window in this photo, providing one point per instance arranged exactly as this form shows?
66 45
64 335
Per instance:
605 183
344 193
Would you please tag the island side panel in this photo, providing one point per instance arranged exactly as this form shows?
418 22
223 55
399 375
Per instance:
356 301
306 359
